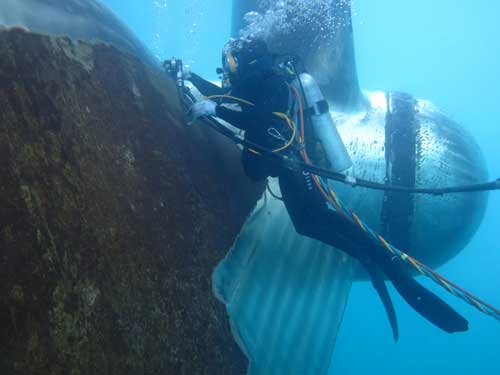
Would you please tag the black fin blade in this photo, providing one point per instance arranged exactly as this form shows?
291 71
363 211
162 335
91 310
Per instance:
427 304
379 285
423 301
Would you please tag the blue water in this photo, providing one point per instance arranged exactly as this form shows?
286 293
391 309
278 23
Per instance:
446 51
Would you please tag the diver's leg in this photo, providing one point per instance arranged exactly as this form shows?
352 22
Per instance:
310 214
312 218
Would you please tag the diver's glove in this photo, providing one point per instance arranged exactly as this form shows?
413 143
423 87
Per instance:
201 109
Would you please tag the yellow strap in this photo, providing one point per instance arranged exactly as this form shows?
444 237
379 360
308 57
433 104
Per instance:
231 97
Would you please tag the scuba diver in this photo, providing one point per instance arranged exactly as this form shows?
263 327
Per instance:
282 110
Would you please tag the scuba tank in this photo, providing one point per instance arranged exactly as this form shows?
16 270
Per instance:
317 110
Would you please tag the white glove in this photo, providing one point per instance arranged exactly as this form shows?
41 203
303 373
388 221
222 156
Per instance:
201 109
186 72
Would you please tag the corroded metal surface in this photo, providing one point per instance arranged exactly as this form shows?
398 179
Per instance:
113 216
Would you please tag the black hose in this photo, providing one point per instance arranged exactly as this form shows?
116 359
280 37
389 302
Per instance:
298 165
293 164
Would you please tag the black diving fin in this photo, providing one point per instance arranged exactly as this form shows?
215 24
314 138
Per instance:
378 283
430 306
352 240
422 300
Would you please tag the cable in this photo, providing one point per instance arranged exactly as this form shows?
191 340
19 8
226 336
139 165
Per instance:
292 127
281 115
273 194
421 268
349 215
354 181
230 97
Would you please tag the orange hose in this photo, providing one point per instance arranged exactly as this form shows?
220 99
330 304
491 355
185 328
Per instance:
303 151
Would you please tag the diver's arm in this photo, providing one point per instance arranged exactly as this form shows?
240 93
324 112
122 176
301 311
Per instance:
239 115
207 88
230 112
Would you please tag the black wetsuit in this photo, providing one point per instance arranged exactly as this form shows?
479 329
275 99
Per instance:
306 205
256 119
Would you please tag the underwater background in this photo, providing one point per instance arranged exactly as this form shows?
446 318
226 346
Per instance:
445 51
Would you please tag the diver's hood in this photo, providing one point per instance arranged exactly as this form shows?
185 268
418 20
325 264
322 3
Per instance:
244 59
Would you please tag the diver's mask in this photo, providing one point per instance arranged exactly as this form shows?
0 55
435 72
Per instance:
230 64
229 71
